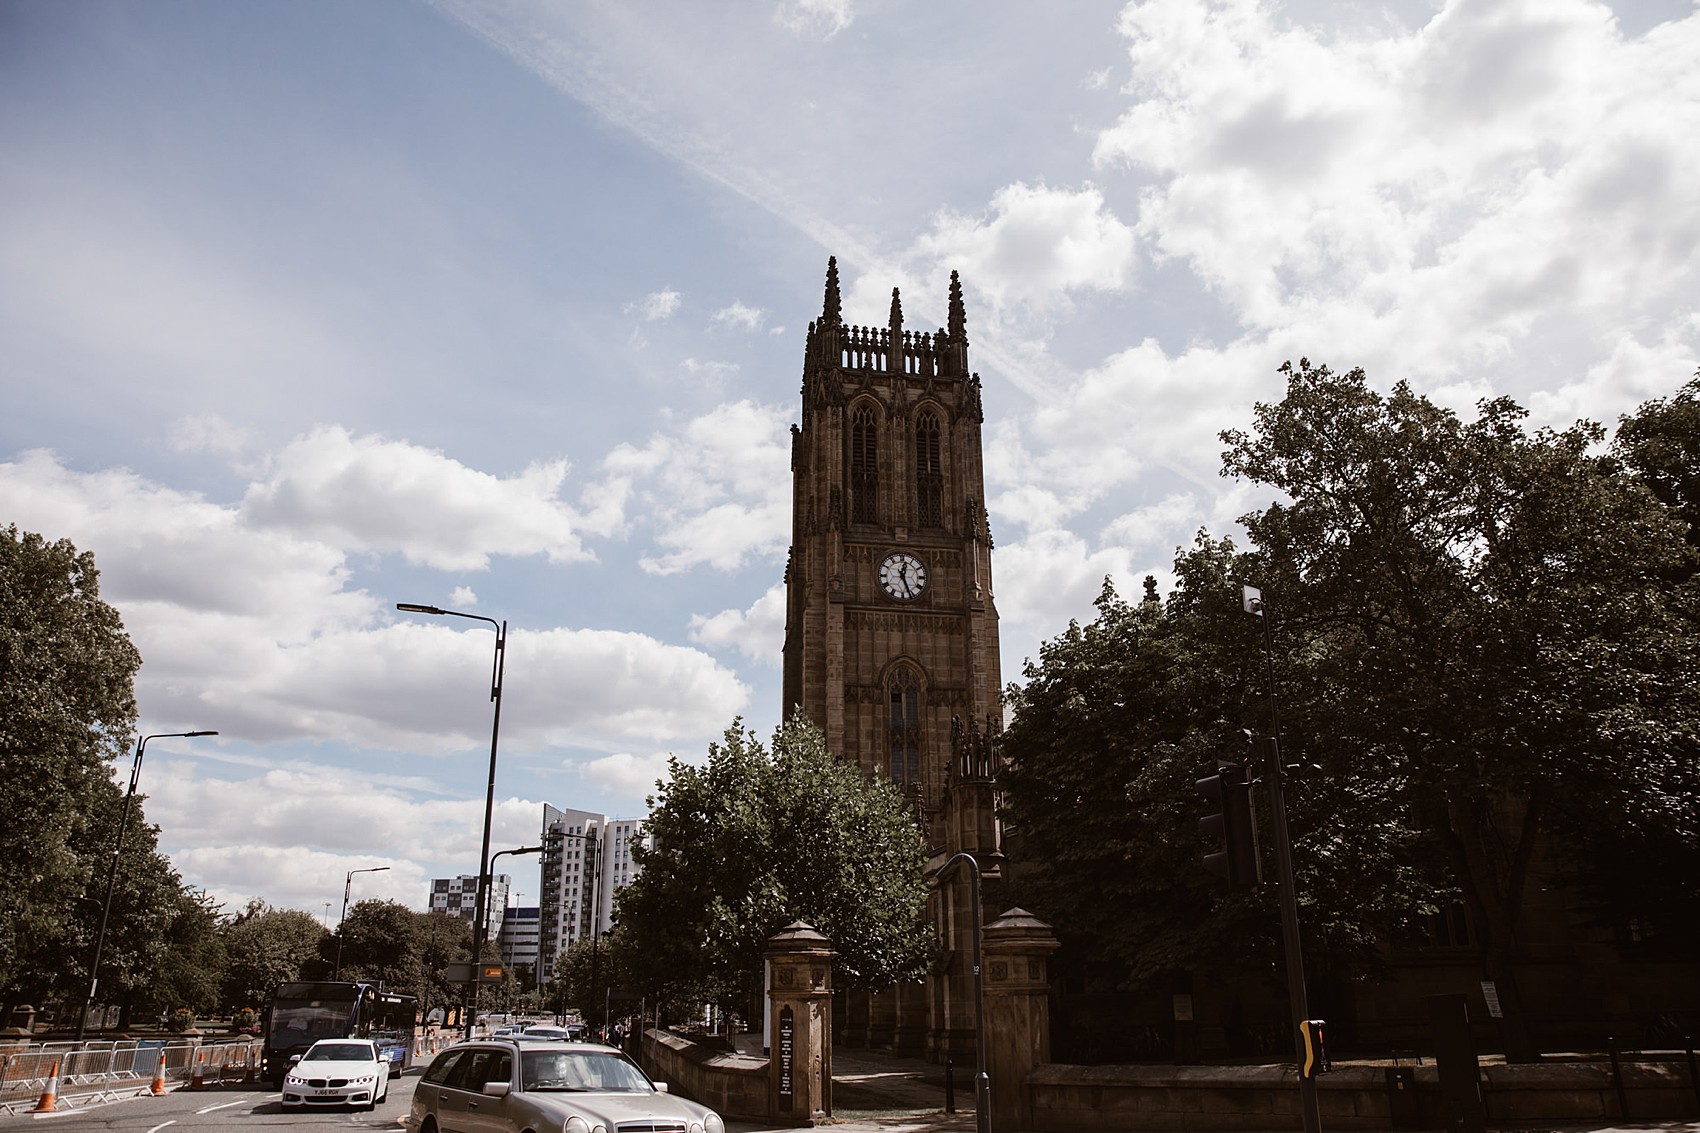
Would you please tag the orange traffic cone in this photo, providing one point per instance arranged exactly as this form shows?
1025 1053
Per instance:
197 1078
248 1065
158 1087
49 1102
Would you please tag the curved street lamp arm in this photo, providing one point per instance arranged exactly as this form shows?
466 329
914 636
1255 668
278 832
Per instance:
112 871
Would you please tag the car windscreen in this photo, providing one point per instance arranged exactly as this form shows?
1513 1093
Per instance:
339 1052
586 1070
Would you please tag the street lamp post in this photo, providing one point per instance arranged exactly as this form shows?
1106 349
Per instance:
481 907
1309 1103
112 873
478 969
982 1080
347 886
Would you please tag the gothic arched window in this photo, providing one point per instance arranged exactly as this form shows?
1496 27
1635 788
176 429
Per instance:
929 473
904 690
864 466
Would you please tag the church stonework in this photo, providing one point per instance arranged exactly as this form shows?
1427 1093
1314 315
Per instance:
891 633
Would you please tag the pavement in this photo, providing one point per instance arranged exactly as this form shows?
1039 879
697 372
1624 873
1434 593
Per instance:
873 1092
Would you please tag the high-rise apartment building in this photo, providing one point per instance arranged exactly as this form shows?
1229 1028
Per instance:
458 897
587 859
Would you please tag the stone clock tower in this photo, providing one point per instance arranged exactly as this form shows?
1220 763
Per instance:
891 635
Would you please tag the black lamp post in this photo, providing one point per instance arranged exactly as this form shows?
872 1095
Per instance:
112 873
478 970
481 906
347 886
1274 775
982 1080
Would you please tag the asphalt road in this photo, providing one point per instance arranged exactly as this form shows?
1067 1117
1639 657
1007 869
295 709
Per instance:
234 1107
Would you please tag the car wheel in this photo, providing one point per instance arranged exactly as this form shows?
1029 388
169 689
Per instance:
429 1125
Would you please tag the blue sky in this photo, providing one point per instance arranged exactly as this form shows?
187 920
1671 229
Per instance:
308 308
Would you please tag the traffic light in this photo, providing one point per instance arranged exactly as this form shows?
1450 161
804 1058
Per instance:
1230 792
1316 1047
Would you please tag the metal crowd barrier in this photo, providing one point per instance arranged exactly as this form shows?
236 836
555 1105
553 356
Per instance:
48 1077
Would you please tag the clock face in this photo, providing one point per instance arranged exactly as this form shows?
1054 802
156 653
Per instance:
903 577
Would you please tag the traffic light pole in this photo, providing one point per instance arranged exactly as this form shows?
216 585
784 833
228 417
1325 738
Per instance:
1275 776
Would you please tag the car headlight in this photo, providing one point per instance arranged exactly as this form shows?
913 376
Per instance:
713 1124
577 1124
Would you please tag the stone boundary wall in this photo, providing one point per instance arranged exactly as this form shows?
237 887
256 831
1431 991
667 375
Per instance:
733 1085
1220 1099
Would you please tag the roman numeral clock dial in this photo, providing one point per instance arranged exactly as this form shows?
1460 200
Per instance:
903 577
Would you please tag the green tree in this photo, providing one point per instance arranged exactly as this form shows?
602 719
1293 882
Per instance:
67 707
148 901
757 838
439 940
378 942
1660 444
1487 616
1114 723
265 947
1486 648
191 967
585 971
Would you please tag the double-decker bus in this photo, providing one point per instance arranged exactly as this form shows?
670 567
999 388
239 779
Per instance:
303 1013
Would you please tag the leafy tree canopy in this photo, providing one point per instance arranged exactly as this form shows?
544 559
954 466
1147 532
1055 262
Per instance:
378 942
67 707
1660 443
1115 722
1485 644
757 838
265 947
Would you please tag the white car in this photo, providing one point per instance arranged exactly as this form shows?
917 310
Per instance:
506 1086
338 1072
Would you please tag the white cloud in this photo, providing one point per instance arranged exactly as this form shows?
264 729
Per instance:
1036 246
371 494
739 316
162 550
630 775
715 377
719 490
256 629
656 306
819 17
1047 578
757 632
209 433
293 832
463 596
1441 192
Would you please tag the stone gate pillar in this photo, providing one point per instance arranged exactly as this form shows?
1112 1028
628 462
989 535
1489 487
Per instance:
799 1010
1018 1012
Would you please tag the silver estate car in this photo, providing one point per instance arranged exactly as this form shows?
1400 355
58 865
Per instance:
493 1085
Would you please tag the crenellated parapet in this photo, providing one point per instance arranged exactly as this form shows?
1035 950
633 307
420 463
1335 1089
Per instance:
917 353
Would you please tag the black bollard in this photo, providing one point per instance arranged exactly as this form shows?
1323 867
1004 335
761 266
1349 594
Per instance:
1617 1077
1693 1070
949 1085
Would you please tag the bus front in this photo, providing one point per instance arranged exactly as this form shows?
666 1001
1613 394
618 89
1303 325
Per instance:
302 1014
